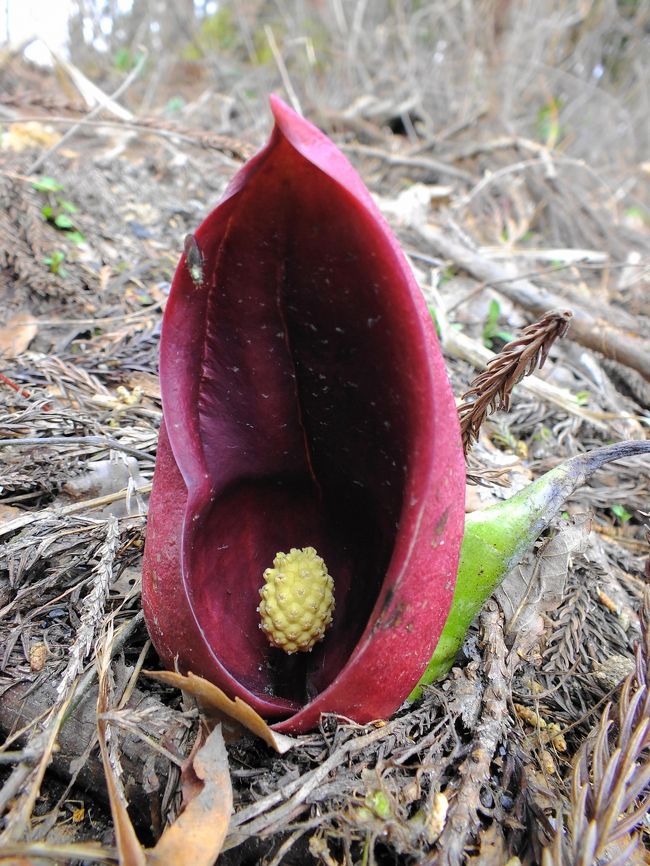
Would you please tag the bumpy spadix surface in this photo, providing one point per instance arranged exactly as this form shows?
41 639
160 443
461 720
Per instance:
305 404
297 600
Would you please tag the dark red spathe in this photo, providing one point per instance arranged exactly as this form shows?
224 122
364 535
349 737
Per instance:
305 404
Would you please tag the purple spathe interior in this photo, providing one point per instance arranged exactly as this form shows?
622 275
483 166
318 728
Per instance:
295 396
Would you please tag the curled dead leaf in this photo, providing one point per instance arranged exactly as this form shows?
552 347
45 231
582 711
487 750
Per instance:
197 835
217 704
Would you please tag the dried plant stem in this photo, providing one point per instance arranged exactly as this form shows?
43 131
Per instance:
491 390
14 387
619 341
38 756
232 150
434 166
282 69
23 785
99 441
128 846
274 808
93 607
124 86
85 851
75 508
464 792
461 346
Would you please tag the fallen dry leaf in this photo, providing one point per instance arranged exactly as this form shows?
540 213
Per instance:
25 136
8 512
17 333
537 585
197 835
217 703
148 384
130 851
191 784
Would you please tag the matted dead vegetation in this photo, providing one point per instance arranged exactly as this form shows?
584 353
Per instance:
506 144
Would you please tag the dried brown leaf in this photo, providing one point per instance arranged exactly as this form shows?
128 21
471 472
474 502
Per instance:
197 835
217 703
492 848
8 512
16 334
531 590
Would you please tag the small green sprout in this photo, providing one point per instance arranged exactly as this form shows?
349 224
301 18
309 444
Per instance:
54 262
124 59
434 316
57 210
175 105
491 329
379 803
621 512
47 184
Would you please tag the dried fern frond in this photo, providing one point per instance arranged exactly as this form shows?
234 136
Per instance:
93 606
492 388
610 789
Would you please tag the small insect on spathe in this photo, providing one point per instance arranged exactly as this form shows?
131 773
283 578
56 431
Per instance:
193 260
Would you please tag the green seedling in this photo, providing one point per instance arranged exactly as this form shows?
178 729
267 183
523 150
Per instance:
47 184
621 512
58 210
491 329
54 262
378 803
638 213
434 316
175 105
124 59
497 538
548 122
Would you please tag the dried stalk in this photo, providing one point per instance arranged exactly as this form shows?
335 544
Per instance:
492 388
22 788
463 793
228 145
93 608
608 331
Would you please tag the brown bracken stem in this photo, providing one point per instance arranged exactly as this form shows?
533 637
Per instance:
491 390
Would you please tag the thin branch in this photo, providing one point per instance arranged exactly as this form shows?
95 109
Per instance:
99 441
124 86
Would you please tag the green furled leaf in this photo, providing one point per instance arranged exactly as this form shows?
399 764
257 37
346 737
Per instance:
497 538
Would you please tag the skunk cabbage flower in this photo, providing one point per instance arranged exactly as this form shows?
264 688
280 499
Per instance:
306 411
